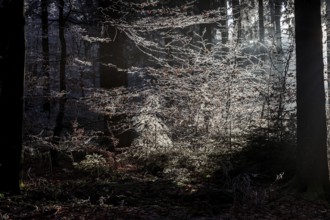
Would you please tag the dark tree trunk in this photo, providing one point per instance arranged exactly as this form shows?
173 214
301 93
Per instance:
45 55
112 53
278 15
12 52
328 49
60 116
223 22
261 21
205 29
272 17
237 17
312 174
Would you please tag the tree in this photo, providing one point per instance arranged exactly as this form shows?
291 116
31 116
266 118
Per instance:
223 22
45 54
12 54
312 175
271 6
205 29
60 116
261 21
328 46
277 17
237 16
275 9
111 51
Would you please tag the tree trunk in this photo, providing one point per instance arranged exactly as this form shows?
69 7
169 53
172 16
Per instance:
328 49
237 17
272 17
261 21
223 22
45 55
312 175
205 30
278 15
12 52
60 116
112 53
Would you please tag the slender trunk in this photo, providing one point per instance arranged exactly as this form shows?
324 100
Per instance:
328 49
237 17
205 30
60 116
271 5
223 22
63 46
45 55
312 174
278 15
12 53
261 21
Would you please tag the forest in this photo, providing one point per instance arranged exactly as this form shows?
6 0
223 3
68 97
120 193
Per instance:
163 109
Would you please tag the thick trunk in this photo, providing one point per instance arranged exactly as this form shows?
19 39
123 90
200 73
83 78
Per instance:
112 53
312 175
12 46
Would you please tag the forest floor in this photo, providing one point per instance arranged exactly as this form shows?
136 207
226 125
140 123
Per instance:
128 191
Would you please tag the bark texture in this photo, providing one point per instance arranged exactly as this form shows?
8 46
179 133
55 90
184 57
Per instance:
12 53
312 168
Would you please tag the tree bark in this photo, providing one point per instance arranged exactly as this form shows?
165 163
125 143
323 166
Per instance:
237 17
261 21
312 174
45 55
272 17
112 53
12 53
278 15
223 22
328 49
60 116
205 30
